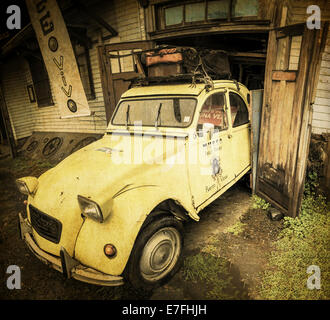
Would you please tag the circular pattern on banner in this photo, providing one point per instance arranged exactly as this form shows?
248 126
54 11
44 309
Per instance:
71 104
32 146
52 146
52 44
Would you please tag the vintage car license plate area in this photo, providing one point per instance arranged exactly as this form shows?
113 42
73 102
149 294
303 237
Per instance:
45 225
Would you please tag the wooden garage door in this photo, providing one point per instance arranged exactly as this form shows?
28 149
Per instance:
292 56
118 66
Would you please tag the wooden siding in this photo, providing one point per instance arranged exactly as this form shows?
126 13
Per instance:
127 18
321 109
297 10
16 97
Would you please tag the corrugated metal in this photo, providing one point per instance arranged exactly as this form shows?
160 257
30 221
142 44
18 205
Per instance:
124 16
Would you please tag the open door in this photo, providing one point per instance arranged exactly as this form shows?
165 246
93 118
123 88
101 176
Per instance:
292 55
118 66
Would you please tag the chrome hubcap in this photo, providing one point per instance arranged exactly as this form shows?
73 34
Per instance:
160 254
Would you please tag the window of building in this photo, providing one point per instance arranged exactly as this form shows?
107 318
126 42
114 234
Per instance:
174 15
239 111
213 111
123 60
218 9
40 80
205 11
245 8
195 12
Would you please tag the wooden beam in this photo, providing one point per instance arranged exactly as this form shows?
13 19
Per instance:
95 17
307 66
284 75
80 36
292 30
253 27
315 43
247 54
104 73
6 120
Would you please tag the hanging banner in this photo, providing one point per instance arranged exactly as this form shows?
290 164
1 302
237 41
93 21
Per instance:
57 52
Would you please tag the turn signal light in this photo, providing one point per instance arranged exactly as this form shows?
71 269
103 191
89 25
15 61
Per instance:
110 250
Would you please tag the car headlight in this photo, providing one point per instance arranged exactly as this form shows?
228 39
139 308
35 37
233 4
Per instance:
27 185
90 209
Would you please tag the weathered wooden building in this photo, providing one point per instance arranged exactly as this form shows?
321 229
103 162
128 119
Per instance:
19 72
105 35
160 22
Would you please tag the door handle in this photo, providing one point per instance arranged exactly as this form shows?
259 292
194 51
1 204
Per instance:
229 136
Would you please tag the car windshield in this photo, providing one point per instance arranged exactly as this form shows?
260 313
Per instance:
156 112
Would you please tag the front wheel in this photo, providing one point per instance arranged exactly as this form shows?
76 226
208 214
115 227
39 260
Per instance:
157 254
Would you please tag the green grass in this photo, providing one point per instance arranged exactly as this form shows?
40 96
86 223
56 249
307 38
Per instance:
259 203
237 228
25 166
210 270
303 242
214 275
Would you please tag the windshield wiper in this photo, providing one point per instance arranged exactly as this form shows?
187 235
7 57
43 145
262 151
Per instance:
127 116
158 115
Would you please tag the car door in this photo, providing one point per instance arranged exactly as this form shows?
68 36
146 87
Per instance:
239 133
210 150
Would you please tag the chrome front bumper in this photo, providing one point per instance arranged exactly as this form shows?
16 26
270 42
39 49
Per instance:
66 264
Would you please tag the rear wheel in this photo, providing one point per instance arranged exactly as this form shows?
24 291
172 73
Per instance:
157 253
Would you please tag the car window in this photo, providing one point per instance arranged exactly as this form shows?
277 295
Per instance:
239 111
213 111
167 112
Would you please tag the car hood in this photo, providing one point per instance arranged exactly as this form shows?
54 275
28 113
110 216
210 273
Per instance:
108 165
99 171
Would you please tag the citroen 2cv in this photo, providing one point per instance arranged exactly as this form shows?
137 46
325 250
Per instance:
114 210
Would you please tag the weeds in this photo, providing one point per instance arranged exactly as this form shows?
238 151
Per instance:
259 203
304 241
237 228
214 274
212 271
23 166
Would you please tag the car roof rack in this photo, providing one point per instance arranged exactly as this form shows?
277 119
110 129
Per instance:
184 78
172 79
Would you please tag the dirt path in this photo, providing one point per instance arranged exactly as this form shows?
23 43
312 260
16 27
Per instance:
240 238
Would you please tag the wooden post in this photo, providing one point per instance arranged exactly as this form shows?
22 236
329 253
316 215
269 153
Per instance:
314 46
104 72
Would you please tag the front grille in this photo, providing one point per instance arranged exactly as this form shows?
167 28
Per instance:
45 225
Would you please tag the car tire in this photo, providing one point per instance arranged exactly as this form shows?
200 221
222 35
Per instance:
156 255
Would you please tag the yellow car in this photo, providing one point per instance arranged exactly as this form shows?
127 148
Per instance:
113 211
